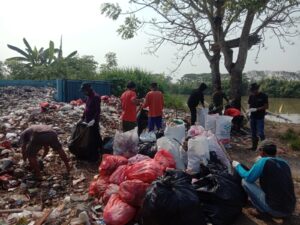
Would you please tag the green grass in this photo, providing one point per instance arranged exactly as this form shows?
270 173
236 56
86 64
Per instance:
292 139
177 102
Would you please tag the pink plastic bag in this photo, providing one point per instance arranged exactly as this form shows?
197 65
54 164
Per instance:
133 192
117 212
110 190
146 171
118 176
165 159
110 163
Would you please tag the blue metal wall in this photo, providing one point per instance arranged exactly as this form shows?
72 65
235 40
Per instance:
66 90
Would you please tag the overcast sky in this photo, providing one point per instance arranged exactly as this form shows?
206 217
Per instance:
84 29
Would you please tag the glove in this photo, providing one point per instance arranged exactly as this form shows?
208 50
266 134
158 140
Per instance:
91 123
252 110
235 163
79 121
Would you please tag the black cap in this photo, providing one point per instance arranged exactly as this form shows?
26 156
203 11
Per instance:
269 147
85 87
254 87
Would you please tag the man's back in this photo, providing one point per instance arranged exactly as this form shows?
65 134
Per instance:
128 106
155 102
195 97
277 183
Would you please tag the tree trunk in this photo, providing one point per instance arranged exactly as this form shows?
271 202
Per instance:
236 87
215 70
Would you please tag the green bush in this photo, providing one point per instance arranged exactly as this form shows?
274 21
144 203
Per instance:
120 77
295 144
292 139
175 102
289 135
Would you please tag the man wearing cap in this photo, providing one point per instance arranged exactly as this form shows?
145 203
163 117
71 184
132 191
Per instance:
128 103
195 98
258 104
155 101
91 116
276 195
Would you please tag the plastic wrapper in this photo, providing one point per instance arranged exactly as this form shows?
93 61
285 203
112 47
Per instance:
165 159
195 131
148 136
118 176
126 144
146 171
117 212
133 192
110 163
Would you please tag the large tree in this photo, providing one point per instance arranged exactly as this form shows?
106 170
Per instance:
210 26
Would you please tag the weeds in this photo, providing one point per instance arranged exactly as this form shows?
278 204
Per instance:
292 138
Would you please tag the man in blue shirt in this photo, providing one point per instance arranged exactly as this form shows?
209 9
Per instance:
276 195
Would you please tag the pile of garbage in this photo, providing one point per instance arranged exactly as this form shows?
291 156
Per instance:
23 199
179 177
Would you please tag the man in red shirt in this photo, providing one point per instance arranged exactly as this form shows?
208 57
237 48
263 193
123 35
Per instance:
129 102
155 101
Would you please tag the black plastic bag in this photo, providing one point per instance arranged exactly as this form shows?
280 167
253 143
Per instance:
147 148
172 200
108 145
221 195
142 120
85 142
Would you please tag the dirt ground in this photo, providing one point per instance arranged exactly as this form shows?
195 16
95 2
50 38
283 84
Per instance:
240 153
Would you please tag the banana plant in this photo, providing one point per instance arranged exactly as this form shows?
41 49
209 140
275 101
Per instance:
33 56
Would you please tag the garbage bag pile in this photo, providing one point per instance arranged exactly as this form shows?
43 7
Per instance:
122 183
189 180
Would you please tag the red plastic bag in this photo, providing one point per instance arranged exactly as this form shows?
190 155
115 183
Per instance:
98 186
165 159
77 102
5 144
104 98
44 106
118 176
117 212
110 190
146 171
137 158
133 192
110 163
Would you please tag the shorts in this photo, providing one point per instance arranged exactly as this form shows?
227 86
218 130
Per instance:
39 140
